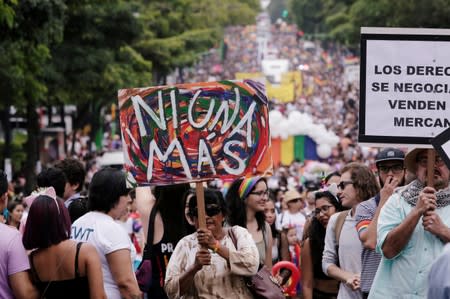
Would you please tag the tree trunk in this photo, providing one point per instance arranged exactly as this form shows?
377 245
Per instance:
6 124
31 148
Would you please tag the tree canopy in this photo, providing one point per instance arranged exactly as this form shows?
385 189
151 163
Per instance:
57 52
341 20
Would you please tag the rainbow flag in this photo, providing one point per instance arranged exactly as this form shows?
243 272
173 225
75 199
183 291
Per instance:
350 60
300 148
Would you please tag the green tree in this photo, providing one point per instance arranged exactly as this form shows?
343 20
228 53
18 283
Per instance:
176 32
95 59
7 12
56 52
341 20
24 52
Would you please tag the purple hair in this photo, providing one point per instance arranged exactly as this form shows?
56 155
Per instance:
48 223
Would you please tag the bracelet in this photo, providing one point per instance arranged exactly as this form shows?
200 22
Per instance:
216 246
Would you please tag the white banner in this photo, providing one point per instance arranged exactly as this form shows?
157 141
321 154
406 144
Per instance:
405 94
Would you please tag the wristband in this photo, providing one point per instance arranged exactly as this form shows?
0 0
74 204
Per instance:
216 246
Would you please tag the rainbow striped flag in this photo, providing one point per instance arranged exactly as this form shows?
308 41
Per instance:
300 148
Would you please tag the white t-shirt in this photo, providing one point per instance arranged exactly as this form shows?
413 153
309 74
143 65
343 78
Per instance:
106 236
298 220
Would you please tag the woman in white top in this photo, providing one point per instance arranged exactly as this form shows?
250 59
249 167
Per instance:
108 200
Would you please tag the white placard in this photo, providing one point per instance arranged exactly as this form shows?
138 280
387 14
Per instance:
405 86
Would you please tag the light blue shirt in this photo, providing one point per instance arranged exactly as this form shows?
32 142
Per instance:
405 275
439 284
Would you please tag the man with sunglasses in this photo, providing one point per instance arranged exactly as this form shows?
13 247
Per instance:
413 228
391 174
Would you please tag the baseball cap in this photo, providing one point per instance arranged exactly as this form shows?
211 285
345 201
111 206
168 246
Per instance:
389 154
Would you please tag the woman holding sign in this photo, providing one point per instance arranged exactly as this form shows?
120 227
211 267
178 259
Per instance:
207 264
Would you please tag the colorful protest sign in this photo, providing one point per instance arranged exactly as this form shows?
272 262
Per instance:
405 89
194 132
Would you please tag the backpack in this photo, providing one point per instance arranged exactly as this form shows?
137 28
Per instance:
338 228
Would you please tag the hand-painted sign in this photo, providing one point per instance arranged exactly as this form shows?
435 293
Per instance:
194 132
405 90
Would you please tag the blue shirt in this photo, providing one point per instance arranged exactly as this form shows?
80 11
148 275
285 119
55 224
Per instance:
405 275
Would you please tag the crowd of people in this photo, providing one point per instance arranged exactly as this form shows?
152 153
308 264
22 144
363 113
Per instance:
356 235
356 231
326 95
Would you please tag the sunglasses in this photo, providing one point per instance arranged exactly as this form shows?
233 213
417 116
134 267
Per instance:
398 168
344 184
210 211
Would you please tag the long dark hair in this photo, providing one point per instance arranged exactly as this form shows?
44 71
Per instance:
236 206
169 203
316 232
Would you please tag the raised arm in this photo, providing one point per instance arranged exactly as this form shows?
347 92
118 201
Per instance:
367 224
144 204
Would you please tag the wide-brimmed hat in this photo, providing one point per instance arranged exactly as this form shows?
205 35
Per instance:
411 159
291 195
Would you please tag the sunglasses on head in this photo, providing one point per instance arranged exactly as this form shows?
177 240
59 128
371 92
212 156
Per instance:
210 211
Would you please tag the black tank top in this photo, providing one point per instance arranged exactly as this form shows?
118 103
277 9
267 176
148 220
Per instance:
67 289
161 253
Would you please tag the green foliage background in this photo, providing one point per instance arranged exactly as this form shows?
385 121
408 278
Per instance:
56 52
340 20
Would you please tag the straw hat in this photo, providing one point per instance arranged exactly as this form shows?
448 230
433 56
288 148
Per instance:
291 195
411 159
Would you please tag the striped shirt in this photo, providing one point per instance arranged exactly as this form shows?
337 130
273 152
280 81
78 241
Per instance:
369 258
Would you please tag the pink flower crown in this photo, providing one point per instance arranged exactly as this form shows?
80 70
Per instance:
332 188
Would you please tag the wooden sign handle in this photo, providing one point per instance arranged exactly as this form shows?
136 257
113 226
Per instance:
430 167
201 204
